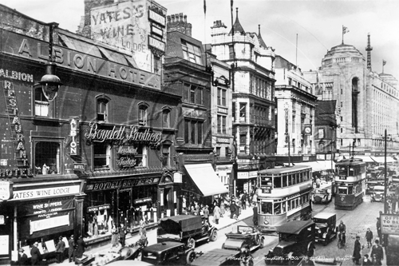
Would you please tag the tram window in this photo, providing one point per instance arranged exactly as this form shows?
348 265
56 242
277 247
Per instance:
266 207
342 190
300 177
283 207
277 208
277 181
285 180
350 190
289 205
351 171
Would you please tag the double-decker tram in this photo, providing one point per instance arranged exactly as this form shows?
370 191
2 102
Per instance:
283 195
350 182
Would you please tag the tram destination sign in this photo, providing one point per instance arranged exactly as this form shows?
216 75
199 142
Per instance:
390 224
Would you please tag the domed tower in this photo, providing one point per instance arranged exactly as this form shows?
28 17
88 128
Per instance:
342 77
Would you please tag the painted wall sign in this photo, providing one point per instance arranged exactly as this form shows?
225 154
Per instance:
121 184
123 25
123 134
45 192
27 47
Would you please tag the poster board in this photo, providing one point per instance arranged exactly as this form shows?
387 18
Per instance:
390 224
50 246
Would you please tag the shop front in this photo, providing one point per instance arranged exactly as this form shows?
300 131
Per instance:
40 212
246 181
201 186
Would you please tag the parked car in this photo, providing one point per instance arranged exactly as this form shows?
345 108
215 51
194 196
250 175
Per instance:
296 239
325 229
378 194
187 229
171 253
244 236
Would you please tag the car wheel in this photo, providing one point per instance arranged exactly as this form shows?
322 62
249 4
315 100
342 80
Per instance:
190 257
191 243
213 236
139 256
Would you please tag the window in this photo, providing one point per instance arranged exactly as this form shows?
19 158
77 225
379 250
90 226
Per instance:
224 130
221 97
41 103
266 207
191 52
192 94
102 109
47 158
218 151
143 115
166 118
102 155
166 156
243 112
193 131
221 124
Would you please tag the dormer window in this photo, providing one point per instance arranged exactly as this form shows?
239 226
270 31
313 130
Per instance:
191 52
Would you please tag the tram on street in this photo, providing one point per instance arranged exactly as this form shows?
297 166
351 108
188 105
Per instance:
283 195
350 182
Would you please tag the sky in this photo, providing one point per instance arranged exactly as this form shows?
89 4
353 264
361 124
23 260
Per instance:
301 31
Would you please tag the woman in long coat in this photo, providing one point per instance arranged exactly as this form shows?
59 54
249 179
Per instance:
80 247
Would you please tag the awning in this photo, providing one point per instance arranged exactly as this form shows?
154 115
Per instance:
205 179
319 165
365 158
382 159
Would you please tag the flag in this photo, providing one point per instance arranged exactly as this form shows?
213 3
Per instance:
344 29
384 62
204 6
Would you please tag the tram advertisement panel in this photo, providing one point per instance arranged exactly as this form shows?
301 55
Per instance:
390 224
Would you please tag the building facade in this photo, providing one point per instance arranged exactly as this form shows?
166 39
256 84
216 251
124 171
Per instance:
296 113
95 151
188 74
252 83
366 101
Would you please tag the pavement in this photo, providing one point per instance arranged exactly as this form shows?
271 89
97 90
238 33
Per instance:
104 254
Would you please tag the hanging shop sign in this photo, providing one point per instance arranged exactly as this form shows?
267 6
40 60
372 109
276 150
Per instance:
98 208
142 200
5 190
123 135
117 184
74 135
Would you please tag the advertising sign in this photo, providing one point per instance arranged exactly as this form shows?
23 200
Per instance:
5 190
390 224
45 192
125 26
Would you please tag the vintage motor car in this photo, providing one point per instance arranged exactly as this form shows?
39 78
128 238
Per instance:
244 236
296 240
171 253
325 229
187 229
378 194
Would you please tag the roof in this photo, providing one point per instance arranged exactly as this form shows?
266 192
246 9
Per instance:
162 246
237 25
323 215
284 169
293 227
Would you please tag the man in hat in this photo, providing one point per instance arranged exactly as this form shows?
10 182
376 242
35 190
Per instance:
22 257
35 254
377 253
357 251
71 249
60 248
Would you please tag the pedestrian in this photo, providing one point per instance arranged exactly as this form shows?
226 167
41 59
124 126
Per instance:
35 254
122 235
71 249
22 257
369 238
255 215
243 202
143 235
60 249
357 251
80 247
366 261
378 225
222 208
377 254
206 213
216 213
232 209
114 237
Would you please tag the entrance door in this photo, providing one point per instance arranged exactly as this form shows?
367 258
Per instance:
125 204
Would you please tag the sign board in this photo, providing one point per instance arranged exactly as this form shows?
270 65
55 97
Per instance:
5 190
177 177
390 224
30 194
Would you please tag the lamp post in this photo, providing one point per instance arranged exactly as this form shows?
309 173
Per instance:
50 82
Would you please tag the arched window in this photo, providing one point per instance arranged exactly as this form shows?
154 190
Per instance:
166 118
102 109
41 103
143 113
355 93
